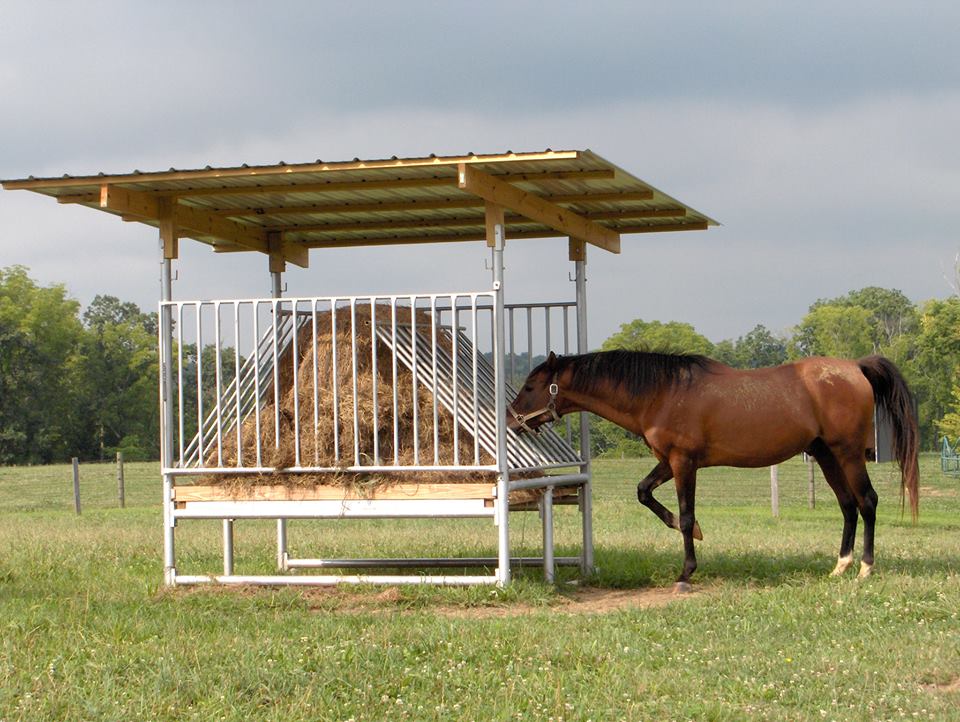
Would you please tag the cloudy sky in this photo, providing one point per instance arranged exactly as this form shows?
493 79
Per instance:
822 135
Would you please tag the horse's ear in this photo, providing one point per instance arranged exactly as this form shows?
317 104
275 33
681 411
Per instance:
552 361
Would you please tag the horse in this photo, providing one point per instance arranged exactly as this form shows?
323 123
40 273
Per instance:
694 412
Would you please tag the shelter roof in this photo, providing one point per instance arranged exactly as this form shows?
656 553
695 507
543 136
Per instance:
286 209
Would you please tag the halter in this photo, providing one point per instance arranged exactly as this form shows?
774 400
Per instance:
551 406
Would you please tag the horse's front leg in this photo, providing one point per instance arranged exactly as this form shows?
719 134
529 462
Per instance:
685 475
661 473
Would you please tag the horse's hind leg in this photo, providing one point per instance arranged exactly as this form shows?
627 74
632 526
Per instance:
661 473
834 474
866 498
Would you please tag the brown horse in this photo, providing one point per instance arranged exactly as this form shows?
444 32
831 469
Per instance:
694 412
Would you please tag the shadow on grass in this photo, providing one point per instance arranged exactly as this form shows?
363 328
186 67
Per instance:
626 569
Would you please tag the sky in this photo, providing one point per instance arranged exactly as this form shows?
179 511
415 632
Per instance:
821 135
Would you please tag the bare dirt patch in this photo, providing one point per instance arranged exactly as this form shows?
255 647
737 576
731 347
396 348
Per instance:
587 600
952 687
931 491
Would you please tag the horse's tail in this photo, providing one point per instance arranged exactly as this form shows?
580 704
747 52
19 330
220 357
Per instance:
890 392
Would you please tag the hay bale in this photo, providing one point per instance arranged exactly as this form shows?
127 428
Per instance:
332 445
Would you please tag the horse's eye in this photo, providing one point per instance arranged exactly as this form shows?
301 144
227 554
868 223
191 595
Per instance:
528 388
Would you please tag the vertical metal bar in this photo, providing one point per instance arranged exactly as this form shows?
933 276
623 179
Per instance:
219 380
568 422
414 379
316 380
529 339
356 401
546 514
236 380
546 315
295 360
282 555
201 451
503 476
455 380
393 362
334 359
166 414
586 491
513 349
475 381
433 370
276 372
775 490
256 380
276 291
228 547
180 381
373 373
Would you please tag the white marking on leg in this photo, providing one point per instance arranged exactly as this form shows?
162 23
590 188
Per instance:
843 563
865 570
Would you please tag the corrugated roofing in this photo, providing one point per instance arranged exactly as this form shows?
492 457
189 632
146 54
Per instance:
388 201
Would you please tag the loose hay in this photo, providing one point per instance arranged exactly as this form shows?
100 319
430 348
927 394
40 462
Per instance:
326 444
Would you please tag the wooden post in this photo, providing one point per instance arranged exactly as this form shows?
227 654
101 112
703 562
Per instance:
811 488
775 490
76 484
121 496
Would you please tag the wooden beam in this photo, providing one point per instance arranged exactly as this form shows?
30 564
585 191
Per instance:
275 251
577 249
472 220
168 230
190 221
536 208
420 205
359 241
493 217
385 184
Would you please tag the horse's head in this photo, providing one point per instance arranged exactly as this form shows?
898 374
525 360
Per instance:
536 404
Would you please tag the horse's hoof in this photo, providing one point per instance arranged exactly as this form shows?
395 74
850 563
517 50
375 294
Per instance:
865 570
682 588
697 534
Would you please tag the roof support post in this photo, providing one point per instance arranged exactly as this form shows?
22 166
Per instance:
166 397
578 254
496 240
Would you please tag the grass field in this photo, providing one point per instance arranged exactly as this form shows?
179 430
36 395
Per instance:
88 632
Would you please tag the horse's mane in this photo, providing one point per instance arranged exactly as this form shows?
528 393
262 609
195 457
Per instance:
637 372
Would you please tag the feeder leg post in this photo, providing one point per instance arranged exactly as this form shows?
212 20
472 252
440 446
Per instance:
276 291
546 514
495 228
586 491
166 411
228 547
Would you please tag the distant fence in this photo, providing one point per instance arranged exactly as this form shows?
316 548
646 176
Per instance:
950 457
83 487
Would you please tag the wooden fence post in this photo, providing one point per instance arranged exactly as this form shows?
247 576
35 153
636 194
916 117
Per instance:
76 484
775 490
120 490
811 488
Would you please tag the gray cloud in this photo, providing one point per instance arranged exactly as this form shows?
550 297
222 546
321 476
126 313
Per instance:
822 138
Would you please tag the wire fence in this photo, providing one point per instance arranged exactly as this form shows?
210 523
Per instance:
51 487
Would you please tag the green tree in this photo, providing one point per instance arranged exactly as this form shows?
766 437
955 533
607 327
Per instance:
834 330
932 368
119 368
40 334
670 337
756 349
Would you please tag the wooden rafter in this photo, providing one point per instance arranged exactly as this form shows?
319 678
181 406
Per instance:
561 219
471 220
186 220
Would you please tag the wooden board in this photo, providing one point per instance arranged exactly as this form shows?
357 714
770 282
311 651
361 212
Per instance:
276 492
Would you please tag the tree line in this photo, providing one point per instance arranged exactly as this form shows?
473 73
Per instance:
83 382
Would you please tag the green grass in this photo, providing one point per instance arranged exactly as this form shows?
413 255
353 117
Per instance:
89 633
